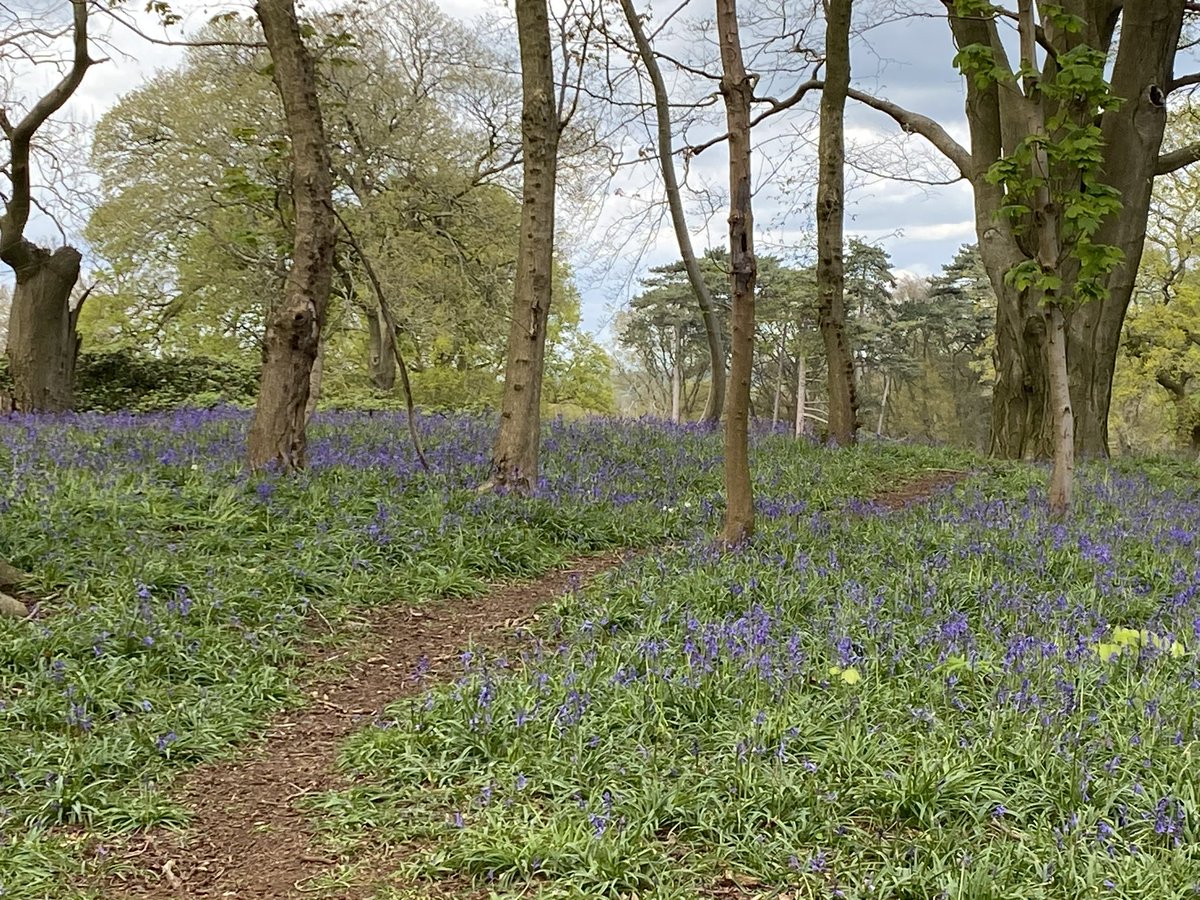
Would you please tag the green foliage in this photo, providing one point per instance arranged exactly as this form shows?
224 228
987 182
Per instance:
688 721
124 380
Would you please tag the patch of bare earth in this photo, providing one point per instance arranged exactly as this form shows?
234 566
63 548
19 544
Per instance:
249 837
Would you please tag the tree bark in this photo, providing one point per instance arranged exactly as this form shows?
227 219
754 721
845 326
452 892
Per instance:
1142 75
676 372
518 439
277 434
382 359
1024 414
42 342
666 158
843 396
887 386
314 383
1062 476
801 394
738 91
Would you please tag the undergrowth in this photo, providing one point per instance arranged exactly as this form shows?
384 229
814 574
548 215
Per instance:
175 589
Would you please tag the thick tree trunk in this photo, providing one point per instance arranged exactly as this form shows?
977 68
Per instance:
843 397
277 434
1023 412
381 356
801 394
666 158
518 439
42 342
738 91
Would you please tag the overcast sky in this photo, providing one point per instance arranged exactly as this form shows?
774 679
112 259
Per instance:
907 61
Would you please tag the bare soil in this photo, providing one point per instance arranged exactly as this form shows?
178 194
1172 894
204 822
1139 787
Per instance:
249 837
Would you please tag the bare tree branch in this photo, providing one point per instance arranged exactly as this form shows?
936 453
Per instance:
914 123
1178 159
20 136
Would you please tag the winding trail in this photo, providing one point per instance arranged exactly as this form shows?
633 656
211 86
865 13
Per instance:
249 836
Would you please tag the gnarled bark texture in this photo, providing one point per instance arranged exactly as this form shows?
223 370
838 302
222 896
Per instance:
831 277
1024 421
518 439
43 344
738 90
278 433
42 341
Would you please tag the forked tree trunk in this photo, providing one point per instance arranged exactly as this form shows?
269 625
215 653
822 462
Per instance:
381 356
738 90
801 394
666 158
43 344
277 434
843 396
518 439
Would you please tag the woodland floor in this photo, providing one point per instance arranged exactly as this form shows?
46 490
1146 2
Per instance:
250 837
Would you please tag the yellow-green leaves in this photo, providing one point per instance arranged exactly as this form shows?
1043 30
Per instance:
1131 639
849 675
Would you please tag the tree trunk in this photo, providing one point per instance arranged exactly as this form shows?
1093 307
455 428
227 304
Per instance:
887 386
676 373
666 158
382 359
843 397
277 434
738 90
314 383
780 373
1063 474
801 394
1023 413
515 452
42 341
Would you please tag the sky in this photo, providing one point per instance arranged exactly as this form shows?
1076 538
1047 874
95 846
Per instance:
908 61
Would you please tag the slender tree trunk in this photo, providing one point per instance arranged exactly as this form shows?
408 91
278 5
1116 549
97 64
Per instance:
314 383
676 373
666 158
843 396
801 394
518 439
780 375
738 90
381 358
277 434
42 341
1063 474
887 386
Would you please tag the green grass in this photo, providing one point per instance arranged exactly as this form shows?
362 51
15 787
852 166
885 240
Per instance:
178 592
691 718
